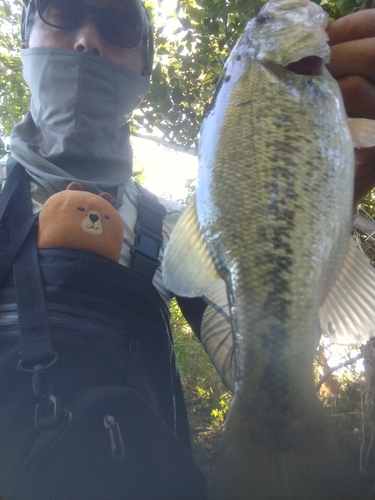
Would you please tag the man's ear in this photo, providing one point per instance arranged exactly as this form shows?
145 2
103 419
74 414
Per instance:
24 45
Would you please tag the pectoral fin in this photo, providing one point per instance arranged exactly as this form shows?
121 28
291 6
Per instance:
348 313
188 269
362 131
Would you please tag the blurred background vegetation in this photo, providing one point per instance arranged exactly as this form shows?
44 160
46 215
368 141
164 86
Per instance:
188 63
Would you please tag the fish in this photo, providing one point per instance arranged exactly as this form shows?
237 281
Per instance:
272 217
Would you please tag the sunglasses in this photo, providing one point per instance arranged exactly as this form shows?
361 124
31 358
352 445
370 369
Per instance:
122 24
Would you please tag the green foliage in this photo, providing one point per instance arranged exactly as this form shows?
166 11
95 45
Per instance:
342 393
368 204
207 398
345 406
219 414
203 384
339 8
14 95
139 175
189 63
367 209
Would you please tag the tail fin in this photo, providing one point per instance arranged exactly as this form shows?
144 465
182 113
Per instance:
311 464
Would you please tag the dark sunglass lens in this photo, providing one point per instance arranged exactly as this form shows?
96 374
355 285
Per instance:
63 14
122 26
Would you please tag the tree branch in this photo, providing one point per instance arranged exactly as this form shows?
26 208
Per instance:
337 367
167 144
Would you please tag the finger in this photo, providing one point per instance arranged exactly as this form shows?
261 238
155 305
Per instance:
361 24
353 58
359 97
364 172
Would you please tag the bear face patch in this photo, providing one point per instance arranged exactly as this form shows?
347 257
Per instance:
82 221
92 223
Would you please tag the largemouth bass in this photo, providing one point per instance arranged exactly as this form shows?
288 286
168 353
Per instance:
272 217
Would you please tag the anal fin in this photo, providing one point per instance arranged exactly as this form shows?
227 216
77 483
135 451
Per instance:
347 315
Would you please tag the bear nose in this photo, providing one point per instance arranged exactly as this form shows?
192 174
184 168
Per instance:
93 218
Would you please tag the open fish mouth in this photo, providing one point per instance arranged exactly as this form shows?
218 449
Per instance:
310 66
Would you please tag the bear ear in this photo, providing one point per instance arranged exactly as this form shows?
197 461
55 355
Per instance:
75 186
107 197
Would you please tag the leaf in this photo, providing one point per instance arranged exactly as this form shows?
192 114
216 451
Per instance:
346 6
177 95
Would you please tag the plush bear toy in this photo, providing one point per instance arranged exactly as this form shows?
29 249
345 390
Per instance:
81 220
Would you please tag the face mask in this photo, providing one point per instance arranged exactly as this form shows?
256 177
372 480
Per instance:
77 125
80 94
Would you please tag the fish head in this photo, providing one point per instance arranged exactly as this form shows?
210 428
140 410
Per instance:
288 31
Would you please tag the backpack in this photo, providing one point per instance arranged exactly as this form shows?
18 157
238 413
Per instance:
91 401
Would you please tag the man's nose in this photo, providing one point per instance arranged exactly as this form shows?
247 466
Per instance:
88 38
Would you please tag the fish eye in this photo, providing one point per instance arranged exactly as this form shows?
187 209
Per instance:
81 209
262 18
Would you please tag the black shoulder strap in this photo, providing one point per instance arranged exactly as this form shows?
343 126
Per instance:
36 350
14 233
148 234
10 185
21 251
145 252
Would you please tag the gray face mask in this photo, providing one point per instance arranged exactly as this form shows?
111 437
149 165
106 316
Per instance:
77 128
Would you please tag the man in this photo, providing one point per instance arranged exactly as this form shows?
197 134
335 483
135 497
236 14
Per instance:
88 65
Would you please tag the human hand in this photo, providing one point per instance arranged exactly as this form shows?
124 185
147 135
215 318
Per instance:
352 40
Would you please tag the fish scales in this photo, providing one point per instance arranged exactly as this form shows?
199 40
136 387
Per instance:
272 211
281 192
284 188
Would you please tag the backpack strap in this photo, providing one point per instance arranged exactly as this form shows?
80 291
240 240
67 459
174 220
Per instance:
13 190
145 261
148 234
12 181
32 309
37 354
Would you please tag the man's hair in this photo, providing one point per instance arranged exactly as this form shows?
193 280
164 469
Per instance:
29 13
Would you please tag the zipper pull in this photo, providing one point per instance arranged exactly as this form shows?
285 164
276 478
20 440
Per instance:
117 444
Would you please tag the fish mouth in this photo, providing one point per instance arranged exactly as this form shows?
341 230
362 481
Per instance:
309 66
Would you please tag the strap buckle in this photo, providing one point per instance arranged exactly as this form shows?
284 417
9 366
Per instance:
148 234
146 243
47 412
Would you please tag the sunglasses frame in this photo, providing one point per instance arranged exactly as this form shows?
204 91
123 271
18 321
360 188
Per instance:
145 24
29 11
